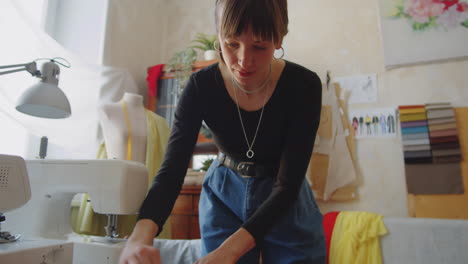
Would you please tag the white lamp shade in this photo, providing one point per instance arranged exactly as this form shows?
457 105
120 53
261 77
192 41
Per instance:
44 100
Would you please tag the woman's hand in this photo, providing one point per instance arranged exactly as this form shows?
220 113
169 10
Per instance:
230 250
218 256
139 253
139 247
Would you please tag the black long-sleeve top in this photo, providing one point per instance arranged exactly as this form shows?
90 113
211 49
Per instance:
285 137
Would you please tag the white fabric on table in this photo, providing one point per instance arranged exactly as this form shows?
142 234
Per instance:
425 241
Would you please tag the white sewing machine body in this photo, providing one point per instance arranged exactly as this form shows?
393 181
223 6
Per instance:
115 187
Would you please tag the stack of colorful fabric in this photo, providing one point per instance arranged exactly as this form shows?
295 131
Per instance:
443 133
415 134
431 149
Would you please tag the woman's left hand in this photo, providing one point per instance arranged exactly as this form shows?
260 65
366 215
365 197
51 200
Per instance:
218 256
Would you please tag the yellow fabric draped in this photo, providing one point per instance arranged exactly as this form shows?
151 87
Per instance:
129 129
87 222
355 238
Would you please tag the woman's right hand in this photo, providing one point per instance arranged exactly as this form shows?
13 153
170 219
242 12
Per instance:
136 252
139 247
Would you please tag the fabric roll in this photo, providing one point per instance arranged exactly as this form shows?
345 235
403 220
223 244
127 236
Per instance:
416 142
432 106
434 178
447 159
440 113
416 110
414 124
444 133
443 120
418 154
426 160
447 145
437 127
437 140
415 136
446 152
417 147
410 107
414 130
413 117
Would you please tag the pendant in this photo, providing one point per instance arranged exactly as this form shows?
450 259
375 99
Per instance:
250 153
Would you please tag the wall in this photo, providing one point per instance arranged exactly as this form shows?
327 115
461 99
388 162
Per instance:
134 36
342 36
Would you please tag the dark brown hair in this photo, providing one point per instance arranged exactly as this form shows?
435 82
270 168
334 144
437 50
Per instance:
268 18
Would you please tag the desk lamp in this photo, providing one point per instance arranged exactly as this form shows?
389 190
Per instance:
43 99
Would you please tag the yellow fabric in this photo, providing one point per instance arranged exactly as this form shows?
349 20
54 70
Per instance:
90 223
413 117
355 238
129 128
412 111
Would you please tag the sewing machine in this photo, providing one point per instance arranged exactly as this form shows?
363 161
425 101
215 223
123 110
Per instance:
115 187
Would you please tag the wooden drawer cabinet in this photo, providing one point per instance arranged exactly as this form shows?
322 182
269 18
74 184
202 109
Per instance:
184 216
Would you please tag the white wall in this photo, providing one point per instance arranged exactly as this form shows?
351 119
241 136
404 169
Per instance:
134 36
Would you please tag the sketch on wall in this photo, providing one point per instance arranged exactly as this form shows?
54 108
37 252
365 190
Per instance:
361 88
371 123
418 31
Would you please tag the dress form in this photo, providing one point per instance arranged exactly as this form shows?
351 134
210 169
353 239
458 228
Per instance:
124 128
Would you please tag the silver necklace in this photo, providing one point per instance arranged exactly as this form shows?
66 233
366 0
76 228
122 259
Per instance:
250 153
263 85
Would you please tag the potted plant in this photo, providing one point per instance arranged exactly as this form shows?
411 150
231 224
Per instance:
181 63
205 43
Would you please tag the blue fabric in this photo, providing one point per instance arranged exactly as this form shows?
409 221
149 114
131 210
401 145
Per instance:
228 200
414 130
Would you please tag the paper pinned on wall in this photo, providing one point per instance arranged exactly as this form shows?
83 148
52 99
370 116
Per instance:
361 88
378 122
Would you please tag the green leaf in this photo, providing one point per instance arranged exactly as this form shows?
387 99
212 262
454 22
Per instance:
465 23
206 41
420 26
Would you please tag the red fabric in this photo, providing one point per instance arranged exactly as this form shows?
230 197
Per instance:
411 106
154 73
329 220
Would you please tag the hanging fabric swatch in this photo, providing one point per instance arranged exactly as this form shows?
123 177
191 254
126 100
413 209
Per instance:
431 149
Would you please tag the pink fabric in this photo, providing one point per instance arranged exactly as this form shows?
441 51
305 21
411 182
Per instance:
444 133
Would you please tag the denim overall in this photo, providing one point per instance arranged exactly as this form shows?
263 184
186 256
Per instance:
229 199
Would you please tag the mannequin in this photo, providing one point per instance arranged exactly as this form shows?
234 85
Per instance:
124 128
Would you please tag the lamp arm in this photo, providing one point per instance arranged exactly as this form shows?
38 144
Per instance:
29 67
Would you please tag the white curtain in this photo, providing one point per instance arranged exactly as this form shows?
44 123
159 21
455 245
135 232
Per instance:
86 86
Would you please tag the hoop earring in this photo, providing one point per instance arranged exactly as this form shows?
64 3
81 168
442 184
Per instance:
282 55
216 48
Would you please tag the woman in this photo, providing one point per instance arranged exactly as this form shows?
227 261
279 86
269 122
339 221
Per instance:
264 113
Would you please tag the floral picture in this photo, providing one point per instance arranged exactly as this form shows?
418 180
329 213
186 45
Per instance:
429 14
418 31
